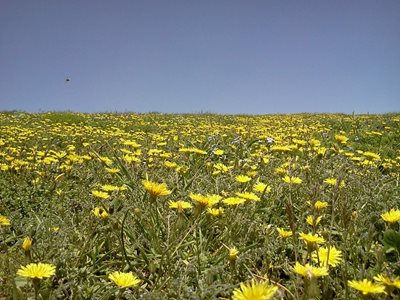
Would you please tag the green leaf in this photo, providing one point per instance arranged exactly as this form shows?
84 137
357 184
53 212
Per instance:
391 239
20 281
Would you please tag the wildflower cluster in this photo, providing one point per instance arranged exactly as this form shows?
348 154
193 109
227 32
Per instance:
154 206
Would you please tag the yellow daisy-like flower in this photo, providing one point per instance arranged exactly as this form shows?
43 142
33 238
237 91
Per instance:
281 148
100 212
253 290
213 199
311 239
180 206
192 150
309 271
372 155
109 188
106 160
341 138
334 258
314 143
4 221
220 167
333 182
388 281
391 216
170 164
280 171
242 178
292 179
124 279
215 211
248 196
367 287
318 205
252 173
330 181
321 151
100 194
313 221
156 189
261 187
234 201
218 152
112 170
39 270
284 233
205 200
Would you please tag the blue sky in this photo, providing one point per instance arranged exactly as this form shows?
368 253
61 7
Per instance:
253 57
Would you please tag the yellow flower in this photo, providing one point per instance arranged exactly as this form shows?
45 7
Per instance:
253 290
320 205
281 148
333 182
334 258
330 181
109 188
321 151
388 281
311 239
341 138
292 179
124 279
156 189
233 253
180 205
218 152
106 160
248 196
192 150
280 171
284 233
313 221
100 212
4 221
391 216
242 178
215 211
234 201
39 270
112 170
220 167
170 164
261 187
367 287
27 244
372 155
314 143
100 194
205 201
309 271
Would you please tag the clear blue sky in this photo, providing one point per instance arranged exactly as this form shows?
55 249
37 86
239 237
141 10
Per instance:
255 57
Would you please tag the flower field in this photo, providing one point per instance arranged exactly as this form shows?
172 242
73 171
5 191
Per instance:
199 206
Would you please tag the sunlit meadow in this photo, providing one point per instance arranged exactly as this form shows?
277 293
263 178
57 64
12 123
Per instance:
162 206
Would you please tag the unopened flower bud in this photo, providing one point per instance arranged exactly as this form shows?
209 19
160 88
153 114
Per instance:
233 252
27 244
